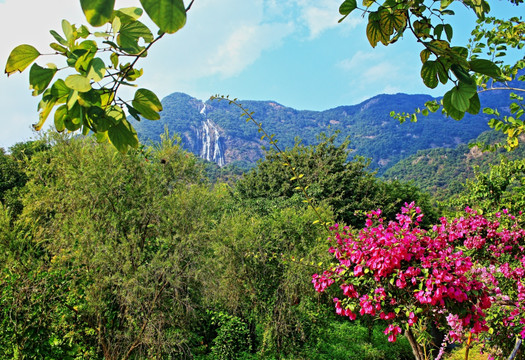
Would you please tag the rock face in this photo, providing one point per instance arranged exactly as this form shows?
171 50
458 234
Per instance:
196 122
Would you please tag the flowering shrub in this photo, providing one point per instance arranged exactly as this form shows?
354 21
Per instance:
464 275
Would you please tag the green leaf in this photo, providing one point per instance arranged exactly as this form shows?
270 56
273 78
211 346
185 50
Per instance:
429 74
20 58
115 114
58 48
68 32
60 91
442 73
374 32
438 30
85 51
97 12
480 7
130 34
445 4
449 107
461 54
78 82
72 99
123 135
127 15
97 119
101 137
133 112
96 70
461 74
461 95
475 105
134 74
60 115
424 55
168 15
46 105
83 32
39 78
73 119
91 98
433 106
114 59
347 7
116 24
485 67
449 32
391 21
58 38
147 104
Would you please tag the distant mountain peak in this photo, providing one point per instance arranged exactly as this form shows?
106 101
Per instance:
215 131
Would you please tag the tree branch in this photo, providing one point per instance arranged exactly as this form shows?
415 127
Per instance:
189 6
136 343
508 88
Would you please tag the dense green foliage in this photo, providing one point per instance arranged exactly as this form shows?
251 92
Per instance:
443 172
107 255
138 256
347 187
12 174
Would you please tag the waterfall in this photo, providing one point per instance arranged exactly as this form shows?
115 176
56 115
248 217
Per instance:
211 148
206 141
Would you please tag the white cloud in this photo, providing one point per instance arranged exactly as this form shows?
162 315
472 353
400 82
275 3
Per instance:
319 19
321 15
391 89
359 60
216 41
244 46
370 67
380 71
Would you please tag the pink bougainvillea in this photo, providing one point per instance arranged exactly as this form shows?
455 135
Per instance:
455 276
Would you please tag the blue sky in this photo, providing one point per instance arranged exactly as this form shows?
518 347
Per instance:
293 52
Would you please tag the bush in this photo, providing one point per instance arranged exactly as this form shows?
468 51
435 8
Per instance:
233 336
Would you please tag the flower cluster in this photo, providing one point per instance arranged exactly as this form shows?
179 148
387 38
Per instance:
450 276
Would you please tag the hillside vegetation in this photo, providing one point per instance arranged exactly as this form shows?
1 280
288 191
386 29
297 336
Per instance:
442 172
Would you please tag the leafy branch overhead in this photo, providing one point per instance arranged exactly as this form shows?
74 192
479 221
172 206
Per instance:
442 62
97 63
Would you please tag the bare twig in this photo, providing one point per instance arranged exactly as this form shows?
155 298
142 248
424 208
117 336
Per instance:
189 6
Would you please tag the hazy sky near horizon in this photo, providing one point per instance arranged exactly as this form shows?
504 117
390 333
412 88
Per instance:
293 52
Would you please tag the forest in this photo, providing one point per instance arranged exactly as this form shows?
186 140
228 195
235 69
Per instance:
141 256
112 249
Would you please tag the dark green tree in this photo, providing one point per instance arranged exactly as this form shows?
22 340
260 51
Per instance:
349 188
104 261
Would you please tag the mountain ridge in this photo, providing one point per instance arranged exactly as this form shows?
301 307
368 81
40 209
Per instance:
216 125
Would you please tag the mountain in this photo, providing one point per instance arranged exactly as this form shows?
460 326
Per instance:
442 172
215 131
